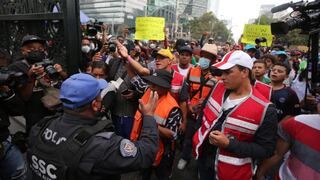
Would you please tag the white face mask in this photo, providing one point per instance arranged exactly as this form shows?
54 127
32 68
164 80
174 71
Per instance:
85 49
152 46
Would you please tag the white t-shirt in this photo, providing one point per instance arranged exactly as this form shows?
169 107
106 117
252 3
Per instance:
231 103
184 72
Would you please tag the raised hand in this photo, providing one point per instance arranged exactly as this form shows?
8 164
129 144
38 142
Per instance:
149 108
122 50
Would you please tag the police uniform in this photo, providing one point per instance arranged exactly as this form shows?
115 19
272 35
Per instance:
69 146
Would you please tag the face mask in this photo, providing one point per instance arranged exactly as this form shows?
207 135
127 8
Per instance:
152 46
204 63
35 56
85 49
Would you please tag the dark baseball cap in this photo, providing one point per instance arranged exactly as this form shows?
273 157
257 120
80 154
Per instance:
185 49
161 78
32 38
80 89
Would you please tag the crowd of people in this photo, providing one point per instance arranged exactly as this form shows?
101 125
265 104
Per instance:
241 111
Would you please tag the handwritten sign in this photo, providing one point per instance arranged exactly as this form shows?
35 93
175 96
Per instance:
253 31
150 28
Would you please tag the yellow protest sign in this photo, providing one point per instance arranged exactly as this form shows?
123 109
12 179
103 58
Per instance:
150 28
253 31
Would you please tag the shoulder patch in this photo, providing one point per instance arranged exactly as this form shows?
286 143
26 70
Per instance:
127 148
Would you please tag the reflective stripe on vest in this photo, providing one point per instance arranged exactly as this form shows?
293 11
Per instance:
176 85
234 160
240 124
175 89
195 79
159 120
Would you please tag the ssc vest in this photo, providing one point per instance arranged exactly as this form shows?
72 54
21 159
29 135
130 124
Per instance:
240 124
264 89
60 161
176 85
195 83
161 114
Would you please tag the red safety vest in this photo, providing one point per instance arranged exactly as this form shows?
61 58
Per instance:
240 124
176 85
264 89
175 67
162 111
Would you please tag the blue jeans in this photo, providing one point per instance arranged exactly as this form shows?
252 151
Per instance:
123 125
12 164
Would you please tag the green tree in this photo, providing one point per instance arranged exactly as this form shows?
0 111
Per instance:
208 22
263 20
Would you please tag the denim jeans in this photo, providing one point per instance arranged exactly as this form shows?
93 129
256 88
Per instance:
123 125
12 164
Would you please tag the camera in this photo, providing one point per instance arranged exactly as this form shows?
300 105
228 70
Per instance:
48 68
305 16
260 40
112 44
94 28
12 78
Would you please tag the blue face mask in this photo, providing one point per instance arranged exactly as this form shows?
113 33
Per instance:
204 63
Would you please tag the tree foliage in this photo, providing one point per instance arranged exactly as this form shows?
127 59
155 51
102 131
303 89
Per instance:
208 22
263 20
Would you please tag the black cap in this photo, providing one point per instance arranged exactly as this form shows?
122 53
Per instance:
160 78
32 38
185 49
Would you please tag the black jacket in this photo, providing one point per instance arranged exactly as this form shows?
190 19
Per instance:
105 156
10 105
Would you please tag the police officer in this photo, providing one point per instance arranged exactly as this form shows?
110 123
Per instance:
76 145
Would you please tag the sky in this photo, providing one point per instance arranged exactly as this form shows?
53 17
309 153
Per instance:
240 11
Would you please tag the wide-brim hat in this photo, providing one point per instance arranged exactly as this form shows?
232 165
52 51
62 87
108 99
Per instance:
160 78
210 48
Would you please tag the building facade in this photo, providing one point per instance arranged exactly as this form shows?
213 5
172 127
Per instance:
193 8
114 11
